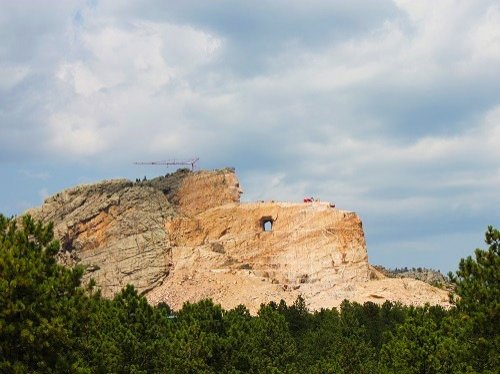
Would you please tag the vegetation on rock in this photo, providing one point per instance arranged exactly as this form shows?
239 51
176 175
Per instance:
433 277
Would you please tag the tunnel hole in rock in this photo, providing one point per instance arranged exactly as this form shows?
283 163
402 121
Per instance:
267 224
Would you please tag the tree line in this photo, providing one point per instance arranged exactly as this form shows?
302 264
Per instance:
50 323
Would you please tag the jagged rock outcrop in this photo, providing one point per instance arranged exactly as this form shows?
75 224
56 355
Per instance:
186 236
115 229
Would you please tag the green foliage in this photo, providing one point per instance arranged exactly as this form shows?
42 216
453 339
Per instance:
198 338
42 308
49 324
420 346
271 346
126 335
477 282
478 301
238 327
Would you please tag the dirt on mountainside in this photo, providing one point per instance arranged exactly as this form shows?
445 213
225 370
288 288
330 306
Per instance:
186 236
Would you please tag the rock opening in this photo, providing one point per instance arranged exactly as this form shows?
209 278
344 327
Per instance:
267 224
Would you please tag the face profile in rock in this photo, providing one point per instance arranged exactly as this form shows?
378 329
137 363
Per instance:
233 185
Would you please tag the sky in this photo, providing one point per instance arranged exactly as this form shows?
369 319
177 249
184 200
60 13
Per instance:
390 109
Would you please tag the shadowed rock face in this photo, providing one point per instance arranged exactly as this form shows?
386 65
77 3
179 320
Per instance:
115 229
186 236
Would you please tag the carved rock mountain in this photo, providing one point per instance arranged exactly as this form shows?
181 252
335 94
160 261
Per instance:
186 236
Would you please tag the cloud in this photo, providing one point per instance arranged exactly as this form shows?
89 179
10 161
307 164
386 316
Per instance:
84 82
387 76
75 135
144 68
12 76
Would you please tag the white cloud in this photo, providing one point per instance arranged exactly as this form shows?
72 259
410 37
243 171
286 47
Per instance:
79 76
132 88
187 48
127 57
74 135
146 54
10 76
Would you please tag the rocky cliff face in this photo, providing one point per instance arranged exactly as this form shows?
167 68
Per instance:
304 243
186 236
115 229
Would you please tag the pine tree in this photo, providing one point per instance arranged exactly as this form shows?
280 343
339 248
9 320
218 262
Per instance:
42 308
478 300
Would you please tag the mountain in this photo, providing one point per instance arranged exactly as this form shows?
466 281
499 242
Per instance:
186 236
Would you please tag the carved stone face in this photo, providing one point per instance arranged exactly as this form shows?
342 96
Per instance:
233 186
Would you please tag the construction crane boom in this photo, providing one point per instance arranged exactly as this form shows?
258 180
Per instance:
191 162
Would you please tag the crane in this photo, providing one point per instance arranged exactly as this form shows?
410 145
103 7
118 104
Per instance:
191 161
